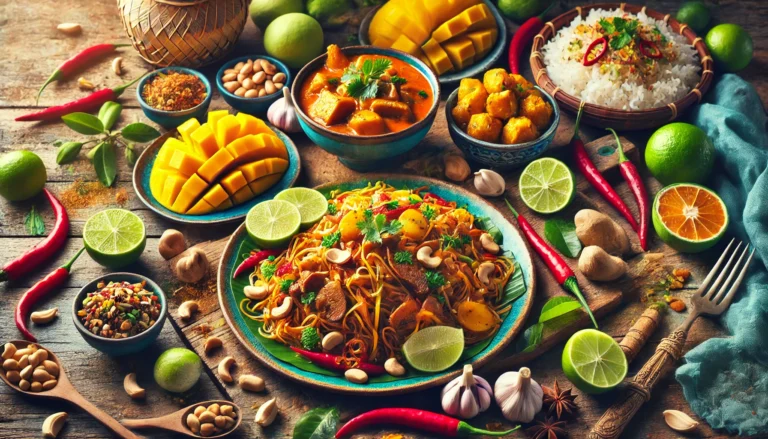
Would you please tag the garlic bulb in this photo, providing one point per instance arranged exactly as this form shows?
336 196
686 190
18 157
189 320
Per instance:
489 183
467 395
282 113
518 396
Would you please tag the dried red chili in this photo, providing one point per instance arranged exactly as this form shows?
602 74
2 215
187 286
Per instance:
592 46
650 49
336 362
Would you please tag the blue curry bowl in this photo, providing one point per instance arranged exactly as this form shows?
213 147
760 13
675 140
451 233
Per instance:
499 155
121 346
365 153
172 119
251 105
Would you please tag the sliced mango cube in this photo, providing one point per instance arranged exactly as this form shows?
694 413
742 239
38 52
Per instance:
200 208
483 40
225 205
260 168
461 51
407 25
382 41
233 182
264 183
157 181
204 141
187 128
252 125
486 22
437 57
405 44
451 28
227 130
243 195
171 189
216 195
189 193
216 165
187 164
215 116
256 147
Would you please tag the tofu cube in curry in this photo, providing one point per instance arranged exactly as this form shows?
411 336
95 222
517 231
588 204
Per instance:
367 123
519 130
330 108
391 109
501 105
318 83
537 110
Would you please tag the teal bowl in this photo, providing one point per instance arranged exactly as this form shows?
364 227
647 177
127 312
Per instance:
122 346
251 105
498 155
365 153
172 119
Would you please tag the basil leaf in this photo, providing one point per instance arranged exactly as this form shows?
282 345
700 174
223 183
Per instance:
130 154
68 152
532 337
139 132
562 235
83 123
109 113
319 423
105 163
34 223
557 313
560 309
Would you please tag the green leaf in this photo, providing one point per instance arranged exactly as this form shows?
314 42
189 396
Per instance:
607 26
130 154
532 337
620 40
109 113
83 123
514 288
139 132
562 235
34 223
485 223
68 152
619 23
557 313
558 306
319 423
105 163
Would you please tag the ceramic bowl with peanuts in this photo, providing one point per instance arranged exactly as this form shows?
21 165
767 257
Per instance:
172 119
252 83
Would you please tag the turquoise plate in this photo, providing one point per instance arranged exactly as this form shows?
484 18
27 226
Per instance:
269 352
143 169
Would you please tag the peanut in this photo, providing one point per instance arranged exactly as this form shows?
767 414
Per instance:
251 383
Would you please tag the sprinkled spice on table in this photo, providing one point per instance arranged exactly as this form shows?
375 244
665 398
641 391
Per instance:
174 91
119 310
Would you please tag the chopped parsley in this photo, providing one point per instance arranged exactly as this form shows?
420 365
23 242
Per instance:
332 81
374 226
435 279
393 205
456 242
268 270
285 284
404 257
429 212
413 200
440 298
423 94
363 83
331 240
309 338
625 31
308 298
398 80
332 209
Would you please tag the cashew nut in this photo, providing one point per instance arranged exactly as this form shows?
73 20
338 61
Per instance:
267 413
256 292
70 28
42 317
53 424
132 387
484 270
486 240
224 366
338 256
188 308
117 65
8 351
251 383
171 244
394 368
212 343
331 340
283 310
424 255
357 376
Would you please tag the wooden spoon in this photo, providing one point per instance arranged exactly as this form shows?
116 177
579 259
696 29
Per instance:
65 391
176 421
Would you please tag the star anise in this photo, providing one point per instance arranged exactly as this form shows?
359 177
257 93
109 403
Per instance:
559 402
549 428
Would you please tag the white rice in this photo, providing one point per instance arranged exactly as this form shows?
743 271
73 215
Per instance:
676 78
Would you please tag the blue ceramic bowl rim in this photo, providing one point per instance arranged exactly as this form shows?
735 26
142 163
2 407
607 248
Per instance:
453 127
91 286
279 64
146 107
311 67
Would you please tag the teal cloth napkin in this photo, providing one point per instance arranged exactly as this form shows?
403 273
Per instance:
725 380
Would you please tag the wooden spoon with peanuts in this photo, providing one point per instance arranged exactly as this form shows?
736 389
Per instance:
54 385
181 422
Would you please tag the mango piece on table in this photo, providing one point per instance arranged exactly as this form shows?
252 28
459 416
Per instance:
189 193
186 129
215 116
483 40
204 141
216 195
200 208
262 184
243 195
461 51
252 125
225 205
187 164
171 189
227 130
257 147
216 165
437 57
233 182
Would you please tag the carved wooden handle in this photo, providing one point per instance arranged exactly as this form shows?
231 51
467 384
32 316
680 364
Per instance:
638 391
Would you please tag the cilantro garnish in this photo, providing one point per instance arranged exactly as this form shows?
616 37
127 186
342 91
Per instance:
268 270
398 80
456 242
625 31
429 212
393 205
412 199
363 83
332 209
309 338
308 298
331 240
519 88
332 81
374 226
404 257
440 298
423 94
435 279
285 284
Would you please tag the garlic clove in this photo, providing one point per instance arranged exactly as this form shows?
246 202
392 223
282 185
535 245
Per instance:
450 400
485 399
679 421
282 113
466 395
489 183
469 405
518 395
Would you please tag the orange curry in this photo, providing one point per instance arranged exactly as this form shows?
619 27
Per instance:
366 95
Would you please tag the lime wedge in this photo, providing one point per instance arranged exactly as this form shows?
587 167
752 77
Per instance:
312 204
434 349
593 361
114 237
547 185
272 223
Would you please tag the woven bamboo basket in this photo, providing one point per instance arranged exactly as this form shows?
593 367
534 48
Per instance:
601 116
188 33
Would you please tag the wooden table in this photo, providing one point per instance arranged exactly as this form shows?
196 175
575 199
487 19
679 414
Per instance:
34 48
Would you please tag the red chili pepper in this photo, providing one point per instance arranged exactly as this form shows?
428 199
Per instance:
636 185
284 269
333 362
89 103
650 49
523 37
74 64
384 196
430 197
253 260
45 249
39 290
590 61
595 178
440 425
557 266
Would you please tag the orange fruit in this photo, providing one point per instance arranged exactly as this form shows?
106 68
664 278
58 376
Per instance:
688 217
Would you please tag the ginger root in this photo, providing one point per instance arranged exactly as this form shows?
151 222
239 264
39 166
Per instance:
171 244
191 266
597 228
597 264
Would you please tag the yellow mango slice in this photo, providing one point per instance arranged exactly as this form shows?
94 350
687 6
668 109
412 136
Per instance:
216 195
215 116
157 181
461 51
225 205
256 147
483 40
262 184
252 125
407 24
243 195
171 189
451 28
488 21
187 128
442 11
185 163
405 44
473 18
233 182
189 193
418 12
216 165
437 57
379 27
204 141
261 168
200 208
227 130
382 41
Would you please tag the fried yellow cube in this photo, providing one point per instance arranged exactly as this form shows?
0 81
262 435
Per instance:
537 110
468 85
473 103
367 123
496 80
519 84
519 130
485 127
501 105
331 108
336 58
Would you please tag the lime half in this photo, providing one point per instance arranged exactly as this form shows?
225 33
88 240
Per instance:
312 204
435 348
593 361
547 185
114 237
272 223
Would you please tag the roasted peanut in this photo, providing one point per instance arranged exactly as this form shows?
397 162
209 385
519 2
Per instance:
206 417
13 376
8 351
193 423
215 409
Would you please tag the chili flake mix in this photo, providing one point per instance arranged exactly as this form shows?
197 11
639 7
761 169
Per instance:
174 91
119 310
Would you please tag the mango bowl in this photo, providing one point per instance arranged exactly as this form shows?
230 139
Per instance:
365 153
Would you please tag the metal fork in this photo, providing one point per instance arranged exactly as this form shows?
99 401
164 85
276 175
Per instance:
712 298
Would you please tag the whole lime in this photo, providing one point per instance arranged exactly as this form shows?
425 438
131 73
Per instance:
521 10
178 369
330 13
731 46
22 175
680 153
264 11
294 39
694 14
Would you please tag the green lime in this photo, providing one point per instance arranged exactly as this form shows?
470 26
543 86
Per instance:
178 369
547 185
330 13
680 153
694 14
435 348
521 10
22 175
312 204
114 237
264 12
273 223
688 217
593 361
731 46
294 39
